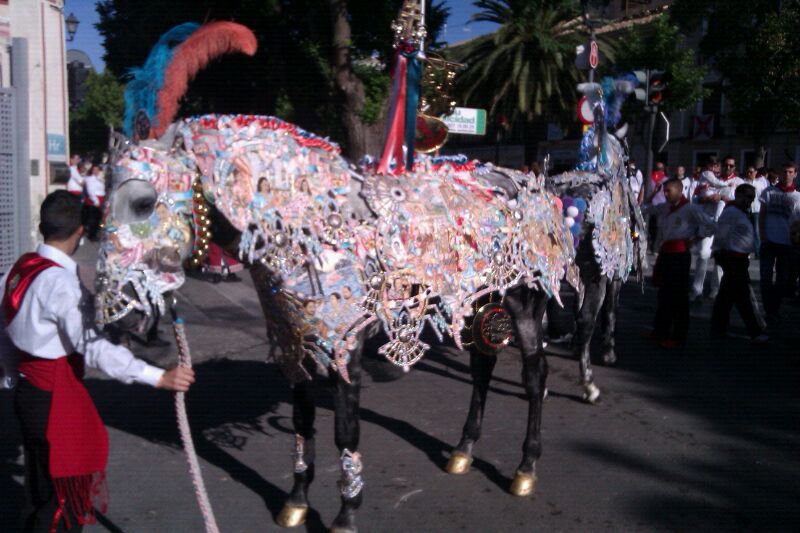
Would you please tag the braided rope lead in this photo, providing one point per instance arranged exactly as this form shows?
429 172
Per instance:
185 359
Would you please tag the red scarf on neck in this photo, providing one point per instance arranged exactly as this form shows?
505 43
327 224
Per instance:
682 202
77 438
785 188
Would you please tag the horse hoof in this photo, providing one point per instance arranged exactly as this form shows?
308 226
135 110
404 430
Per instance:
292 516
591 393
459 463
523 484
609 358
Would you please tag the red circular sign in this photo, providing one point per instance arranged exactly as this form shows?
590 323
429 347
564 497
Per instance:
585 113
594 54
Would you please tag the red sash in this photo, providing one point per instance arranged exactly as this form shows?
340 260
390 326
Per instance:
77 438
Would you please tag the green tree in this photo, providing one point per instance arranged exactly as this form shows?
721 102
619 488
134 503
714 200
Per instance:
754 45
660 46
102 107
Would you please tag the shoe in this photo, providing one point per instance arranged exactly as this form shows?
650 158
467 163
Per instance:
232 278
670 344
760 339
216 278
561 339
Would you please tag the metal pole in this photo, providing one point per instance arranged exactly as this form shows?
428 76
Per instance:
19 80
651 125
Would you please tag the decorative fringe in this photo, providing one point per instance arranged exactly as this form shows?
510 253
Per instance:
83 495
201 47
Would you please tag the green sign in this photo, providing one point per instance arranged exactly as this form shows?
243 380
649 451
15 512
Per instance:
466 121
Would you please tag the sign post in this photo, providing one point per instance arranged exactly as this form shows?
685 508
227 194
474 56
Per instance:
466 121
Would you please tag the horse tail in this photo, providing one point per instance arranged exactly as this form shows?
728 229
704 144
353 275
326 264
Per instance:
153 93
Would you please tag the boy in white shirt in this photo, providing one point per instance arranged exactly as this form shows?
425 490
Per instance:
44 345
734 241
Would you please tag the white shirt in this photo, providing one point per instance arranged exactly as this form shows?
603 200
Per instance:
689 184
53 321
734 232
709 185
95 188
781 209
75 183
636 181
760 183
686 222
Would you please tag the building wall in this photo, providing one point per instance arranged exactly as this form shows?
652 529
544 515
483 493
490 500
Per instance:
41 23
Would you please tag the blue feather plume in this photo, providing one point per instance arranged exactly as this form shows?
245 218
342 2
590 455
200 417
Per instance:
147 80
615 91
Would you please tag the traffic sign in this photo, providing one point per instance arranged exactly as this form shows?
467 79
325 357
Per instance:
585 112
466 121
594 54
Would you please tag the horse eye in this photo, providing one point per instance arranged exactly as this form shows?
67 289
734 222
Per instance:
134 201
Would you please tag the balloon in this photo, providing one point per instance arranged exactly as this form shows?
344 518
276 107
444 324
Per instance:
558 203
575 229
580 203
573 211
568 201
569 221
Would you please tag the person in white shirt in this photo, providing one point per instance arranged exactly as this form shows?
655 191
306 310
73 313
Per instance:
734 241
44 345
688 182
95 195
76 182
681 223
780 205
635 179
712 193
760 183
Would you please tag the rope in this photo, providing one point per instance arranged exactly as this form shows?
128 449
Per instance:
185 359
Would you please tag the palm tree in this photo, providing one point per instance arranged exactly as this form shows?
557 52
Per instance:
526 68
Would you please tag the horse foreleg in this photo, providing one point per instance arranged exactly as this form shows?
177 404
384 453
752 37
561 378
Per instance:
481 367
346 405
595 291
610 304
303 413
527 315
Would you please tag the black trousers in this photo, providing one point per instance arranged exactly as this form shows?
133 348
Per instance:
734 290
32 407
672 314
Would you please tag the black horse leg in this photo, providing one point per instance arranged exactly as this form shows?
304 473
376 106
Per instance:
595 292
303 412
527 308
610 320
481 367
346 405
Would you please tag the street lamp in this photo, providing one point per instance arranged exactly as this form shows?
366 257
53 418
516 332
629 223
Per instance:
72 26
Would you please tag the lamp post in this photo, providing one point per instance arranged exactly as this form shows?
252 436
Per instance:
72 26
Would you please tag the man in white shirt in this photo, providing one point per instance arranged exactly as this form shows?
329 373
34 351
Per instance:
75 183
635 179
780 205
688 182
734 241
681 223
44 345
95 195
712 193
760 183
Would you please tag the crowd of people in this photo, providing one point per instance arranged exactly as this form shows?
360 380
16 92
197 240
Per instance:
725 219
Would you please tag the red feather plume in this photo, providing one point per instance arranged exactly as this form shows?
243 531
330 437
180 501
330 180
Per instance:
204 45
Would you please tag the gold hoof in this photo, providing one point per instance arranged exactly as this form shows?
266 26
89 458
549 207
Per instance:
523 484
292 516
459 463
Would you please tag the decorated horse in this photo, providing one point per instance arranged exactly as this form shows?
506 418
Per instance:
606 223
337 253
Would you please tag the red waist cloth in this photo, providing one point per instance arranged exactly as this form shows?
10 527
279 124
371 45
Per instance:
674 246
77 438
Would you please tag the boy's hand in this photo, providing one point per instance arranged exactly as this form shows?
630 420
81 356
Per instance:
177 379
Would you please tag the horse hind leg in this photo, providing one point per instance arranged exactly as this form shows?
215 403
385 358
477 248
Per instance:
295 508
609 311
481 367
527 319
347 434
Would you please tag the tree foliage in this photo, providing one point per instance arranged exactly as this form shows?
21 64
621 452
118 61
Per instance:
754 45
103 106
660 46
292 74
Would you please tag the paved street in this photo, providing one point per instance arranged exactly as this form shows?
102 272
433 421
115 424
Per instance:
704 438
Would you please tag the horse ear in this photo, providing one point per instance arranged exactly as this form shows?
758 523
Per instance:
621 132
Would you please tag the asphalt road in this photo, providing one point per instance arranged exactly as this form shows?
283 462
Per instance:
699 439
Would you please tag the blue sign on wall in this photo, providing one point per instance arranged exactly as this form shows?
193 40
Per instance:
56 145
